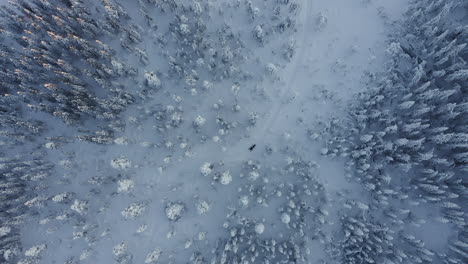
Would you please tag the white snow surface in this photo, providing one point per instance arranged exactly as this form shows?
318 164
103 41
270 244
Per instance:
180 184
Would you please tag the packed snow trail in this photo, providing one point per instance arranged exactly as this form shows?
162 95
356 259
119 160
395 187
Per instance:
240 151
353 37
289 75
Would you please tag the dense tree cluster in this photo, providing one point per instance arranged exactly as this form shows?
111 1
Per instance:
409 135
58 64
20 178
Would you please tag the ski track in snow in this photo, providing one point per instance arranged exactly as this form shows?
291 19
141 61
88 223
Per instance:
239 152
289 73
295 80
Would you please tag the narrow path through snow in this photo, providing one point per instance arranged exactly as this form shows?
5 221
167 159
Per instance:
331 58
289 74
278 94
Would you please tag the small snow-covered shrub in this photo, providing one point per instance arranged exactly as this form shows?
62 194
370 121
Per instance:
153 256
4 230
225 178
321 22
81 207
152 80
285 218
203 207
199 121
35 251
125 186
121 163
120 249
259 228
64 197
206 168
134 210
174 210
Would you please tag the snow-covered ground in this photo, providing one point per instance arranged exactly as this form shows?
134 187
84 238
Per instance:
337 44
207 157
